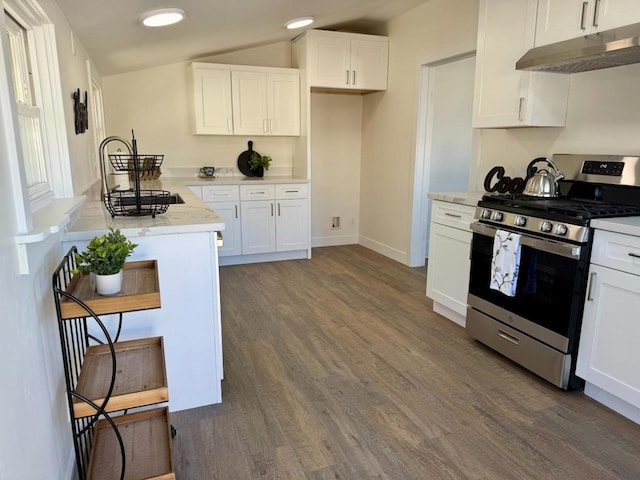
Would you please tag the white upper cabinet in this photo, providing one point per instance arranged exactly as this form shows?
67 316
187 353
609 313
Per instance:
239 100
341 60
212 102
560 20
506 97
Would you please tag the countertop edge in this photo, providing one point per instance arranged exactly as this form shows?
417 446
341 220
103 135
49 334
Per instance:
625 225
470 199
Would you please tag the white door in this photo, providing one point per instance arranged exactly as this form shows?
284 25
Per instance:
445 142
212 98
330 61
258 227
292 225
283 93
231 236
369 60
249 91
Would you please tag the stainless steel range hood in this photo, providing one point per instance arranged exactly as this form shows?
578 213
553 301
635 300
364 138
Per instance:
612 48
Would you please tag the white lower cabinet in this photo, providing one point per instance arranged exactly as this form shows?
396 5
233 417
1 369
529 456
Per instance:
608 354
231 237
275 218
448 266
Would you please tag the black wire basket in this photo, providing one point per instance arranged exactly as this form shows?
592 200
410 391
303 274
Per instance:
124 162
137 204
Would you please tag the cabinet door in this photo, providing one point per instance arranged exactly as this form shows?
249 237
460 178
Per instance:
448 267
249 103
258 227
283 105
369 64
230 212
616 13
212 102
330 61
504 96
563 19
292 225
608 355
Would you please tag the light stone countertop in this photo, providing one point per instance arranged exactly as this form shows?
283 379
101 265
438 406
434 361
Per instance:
236 180
626 225
92 219
463 198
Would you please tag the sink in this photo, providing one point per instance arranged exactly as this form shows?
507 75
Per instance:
175 198
172 199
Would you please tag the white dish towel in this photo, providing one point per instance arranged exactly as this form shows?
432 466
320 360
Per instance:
505 262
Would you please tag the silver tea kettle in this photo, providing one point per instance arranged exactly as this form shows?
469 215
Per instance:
541 183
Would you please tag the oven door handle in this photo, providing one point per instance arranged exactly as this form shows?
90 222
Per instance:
559 248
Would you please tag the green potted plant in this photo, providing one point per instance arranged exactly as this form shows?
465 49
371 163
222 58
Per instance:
105 257
259 163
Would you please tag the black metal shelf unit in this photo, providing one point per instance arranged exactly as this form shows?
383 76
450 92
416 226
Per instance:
88 415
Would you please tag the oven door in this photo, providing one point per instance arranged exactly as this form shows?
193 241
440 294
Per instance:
550 289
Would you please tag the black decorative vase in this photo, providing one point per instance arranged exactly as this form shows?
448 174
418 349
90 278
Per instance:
259 171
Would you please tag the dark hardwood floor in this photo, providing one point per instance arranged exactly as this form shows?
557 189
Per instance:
337 368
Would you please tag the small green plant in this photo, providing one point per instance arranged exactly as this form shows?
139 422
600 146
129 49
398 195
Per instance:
258 160
105 255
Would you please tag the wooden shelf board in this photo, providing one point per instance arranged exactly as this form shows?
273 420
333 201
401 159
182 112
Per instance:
141 377
147 441
140 291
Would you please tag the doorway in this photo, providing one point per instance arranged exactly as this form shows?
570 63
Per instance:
444 141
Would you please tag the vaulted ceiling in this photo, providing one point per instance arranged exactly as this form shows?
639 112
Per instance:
117 42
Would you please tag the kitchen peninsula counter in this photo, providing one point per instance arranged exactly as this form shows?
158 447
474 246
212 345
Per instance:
183 240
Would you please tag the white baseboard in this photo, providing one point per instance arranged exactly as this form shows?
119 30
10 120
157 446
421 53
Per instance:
385 250
263 257
614 403
333 241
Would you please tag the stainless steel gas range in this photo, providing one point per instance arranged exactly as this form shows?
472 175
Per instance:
537 323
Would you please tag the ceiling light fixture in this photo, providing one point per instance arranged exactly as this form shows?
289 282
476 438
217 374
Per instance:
299 22
162 17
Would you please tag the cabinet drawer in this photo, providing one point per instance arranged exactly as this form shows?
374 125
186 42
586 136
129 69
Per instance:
294 190
256 192
452 214
616 250
227 193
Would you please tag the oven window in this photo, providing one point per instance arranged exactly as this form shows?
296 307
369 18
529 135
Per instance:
546 290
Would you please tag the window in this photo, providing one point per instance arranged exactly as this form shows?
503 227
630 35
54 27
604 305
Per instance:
36 164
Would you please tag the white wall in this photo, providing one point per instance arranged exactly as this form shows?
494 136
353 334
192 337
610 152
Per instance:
336 124
436 30
36 441
602 118
158 104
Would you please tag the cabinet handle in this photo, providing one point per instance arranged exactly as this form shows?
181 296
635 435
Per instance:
596 13
278 208
583 15
520 109
291 191
354 78
509 338
229 127
453 215
271 125
264 125
236 207
347 78
272 209
634 255
592 279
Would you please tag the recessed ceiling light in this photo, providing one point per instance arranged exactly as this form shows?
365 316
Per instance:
162 17
299 22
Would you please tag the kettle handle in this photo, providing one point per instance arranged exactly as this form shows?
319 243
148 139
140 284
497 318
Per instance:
531 170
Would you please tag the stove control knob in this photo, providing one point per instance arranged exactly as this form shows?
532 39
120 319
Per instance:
546 226
520 221
485 213
497 216
561 229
